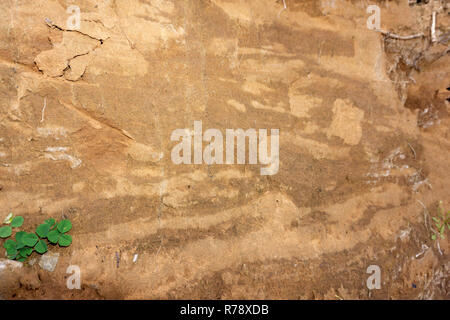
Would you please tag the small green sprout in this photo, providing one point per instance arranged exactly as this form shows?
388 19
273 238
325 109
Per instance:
25 243
441 221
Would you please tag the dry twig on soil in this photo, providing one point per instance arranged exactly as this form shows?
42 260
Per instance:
388 34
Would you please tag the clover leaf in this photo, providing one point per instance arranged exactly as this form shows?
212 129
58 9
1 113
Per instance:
30 239
43 230
65 240
5 232
53 236
64 226
17 222
41 247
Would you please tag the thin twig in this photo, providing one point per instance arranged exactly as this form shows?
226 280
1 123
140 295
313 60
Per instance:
425 215
412 149
433 27
284 8
388 34
439 247
43 109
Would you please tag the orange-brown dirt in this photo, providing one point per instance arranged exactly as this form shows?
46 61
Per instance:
85 123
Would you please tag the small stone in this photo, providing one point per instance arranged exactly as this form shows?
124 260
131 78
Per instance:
6 263
48 261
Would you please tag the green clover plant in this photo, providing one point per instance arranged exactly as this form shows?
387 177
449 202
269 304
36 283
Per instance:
25 243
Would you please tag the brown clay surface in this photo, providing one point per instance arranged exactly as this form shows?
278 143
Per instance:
364 136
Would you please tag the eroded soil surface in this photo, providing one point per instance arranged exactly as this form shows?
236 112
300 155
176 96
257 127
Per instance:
86 118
